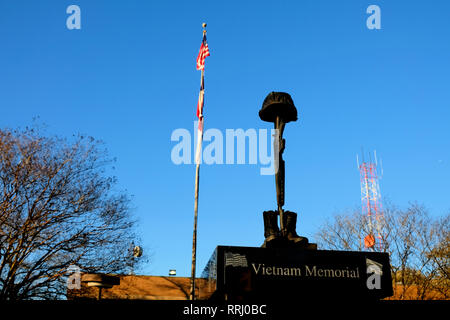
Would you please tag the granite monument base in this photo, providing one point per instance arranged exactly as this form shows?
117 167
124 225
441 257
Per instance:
248 273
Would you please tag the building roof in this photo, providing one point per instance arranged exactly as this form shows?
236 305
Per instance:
137 287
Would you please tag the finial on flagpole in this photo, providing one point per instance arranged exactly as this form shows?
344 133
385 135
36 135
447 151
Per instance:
204 27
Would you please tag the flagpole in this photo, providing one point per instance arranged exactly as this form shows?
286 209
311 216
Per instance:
194 238
197 178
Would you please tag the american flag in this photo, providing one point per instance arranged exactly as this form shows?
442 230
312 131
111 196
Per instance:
374 267
200 123
204 52
235 260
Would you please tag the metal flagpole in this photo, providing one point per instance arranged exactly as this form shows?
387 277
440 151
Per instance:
197 178
194 238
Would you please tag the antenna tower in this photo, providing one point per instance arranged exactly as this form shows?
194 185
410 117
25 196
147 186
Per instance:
371 203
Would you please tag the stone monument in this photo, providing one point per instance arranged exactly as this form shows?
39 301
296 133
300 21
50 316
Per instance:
287 266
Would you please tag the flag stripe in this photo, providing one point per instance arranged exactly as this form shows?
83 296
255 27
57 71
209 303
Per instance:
200 104
199 141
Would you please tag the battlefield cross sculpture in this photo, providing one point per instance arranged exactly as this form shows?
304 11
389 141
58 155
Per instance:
279 108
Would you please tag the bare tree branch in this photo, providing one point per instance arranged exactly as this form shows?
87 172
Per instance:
57 208
419 248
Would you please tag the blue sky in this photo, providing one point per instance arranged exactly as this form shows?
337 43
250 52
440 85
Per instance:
128 77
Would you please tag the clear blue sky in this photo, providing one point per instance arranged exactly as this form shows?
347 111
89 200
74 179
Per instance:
128 77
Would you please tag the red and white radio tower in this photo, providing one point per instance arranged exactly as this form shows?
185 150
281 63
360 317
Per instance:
371 203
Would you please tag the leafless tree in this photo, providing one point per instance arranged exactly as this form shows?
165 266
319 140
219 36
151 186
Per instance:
58 207
418 247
